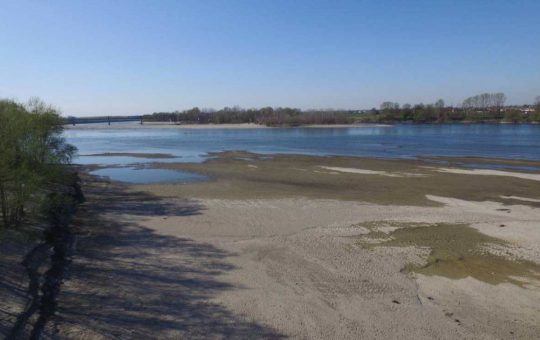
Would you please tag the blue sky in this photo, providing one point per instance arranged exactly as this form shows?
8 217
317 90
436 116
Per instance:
127 57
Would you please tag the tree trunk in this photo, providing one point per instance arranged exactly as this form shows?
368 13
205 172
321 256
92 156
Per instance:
4 204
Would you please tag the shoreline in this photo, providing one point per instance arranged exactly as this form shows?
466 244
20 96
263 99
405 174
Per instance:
149 125
145 125
521 165
245 175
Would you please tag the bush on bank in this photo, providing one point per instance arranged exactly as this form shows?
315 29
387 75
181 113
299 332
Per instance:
33 153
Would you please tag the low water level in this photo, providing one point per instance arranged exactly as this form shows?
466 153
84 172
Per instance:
398 141
139 176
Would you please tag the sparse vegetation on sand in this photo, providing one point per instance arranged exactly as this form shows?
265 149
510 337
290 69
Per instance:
241 175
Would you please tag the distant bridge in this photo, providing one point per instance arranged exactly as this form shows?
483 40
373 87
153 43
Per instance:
102 119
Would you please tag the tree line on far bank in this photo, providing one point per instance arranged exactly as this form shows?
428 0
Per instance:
265 116
486 107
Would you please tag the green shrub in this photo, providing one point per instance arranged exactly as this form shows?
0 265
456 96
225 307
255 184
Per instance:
32 152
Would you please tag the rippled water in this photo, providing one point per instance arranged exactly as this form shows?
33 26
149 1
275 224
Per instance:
398 142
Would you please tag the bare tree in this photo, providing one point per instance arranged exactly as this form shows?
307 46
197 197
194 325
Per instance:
485 101
389 106
439 104
498 100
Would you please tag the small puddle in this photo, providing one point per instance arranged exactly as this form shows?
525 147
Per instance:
149 176
124 160
457 251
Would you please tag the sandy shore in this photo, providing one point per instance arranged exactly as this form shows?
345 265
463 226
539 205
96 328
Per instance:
163 125
259 253
488 172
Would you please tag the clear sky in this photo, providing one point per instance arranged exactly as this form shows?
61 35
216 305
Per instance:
131 57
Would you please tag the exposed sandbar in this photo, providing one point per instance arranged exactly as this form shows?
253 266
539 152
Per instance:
279 247
489 172
242 175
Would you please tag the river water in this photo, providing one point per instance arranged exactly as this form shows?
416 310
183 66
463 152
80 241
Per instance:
509 141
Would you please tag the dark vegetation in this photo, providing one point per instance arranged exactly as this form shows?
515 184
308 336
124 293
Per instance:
39 194
265 116
487 107
32 158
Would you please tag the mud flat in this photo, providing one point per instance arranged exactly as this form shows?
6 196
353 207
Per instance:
242 175
293 246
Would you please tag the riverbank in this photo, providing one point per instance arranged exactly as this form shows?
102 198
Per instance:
170 125
166 125
284 247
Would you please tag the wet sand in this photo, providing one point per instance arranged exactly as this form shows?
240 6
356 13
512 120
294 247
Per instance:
242 175
284 247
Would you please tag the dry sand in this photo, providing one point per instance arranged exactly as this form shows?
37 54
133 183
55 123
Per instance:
489 172
158 266
372 172
303 274
525 199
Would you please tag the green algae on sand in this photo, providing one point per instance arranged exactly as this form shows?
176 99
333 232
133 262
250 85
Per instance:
457 251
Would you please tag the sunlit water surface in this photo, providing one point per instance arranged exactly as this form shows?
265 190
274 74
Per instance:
395 142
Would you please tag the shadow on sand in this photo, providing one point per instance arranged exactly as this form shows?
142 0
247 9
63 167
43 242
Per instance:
128 282
13 282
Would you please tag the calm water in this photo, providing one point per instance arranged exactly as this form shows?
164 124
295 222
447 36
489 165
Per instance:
399 141
135 175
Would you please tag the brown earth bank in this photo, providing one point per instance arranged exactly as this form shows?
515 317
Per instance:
306 247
